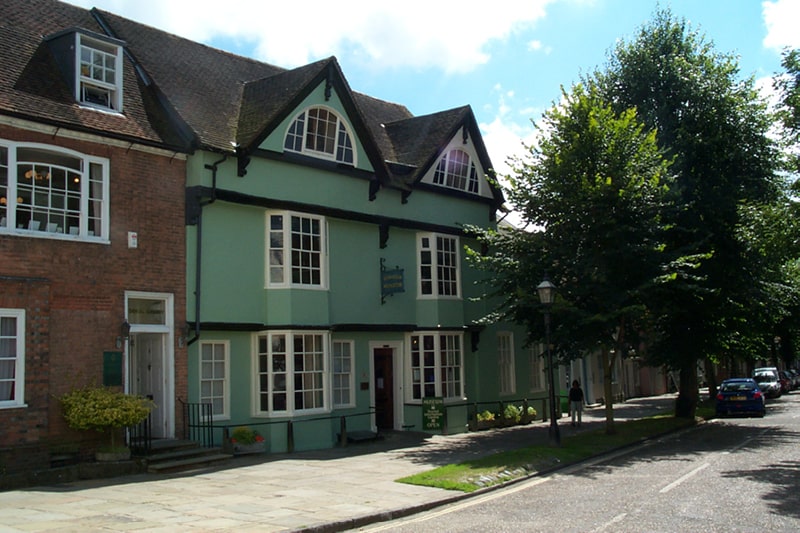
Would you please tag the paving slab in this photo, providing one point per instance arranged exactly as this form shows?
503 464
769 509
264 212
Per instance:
324 490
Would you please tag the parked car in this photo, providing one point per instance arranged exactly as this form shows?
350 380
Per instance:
767 379
795 377
740 395
787 383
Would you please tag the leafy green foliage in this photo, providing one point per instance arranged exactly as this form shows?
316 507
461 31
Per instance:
102 408
788 87
245 435
592 190
714 127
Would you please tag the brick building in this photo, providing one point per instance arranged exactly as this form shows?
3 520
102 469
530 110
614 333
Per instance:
92 249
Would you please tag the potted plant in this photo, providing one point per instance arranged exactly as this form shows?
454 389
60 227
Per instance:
245 439
486 420
511 415
105 410
527 417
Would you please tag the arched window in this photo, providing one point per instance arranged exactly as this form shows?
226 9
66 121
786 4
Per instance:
320 132
457 171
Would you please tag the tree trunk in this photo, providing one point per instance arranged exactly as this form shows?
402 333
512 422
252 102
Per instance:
711 378
608 390
686 404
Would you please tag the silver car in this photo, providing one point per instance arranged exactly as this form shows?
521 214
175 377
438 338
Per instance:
768 382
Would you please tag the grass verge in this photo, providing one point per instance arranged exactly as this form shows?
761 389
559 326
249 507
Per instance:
500 468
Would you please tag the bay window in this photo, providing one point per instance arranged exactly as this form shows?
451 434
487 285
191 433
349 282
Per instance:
438 265
436 366
295 250
52 192
291 373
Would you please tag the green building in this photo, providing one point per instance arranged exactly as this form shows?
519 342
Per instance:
326 279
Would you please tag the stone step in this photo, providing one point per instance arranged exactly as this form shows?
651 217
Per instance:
174 455
187 463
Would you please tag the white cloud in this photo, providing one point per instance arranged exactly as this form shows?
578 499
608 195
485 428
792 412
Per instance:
507 135
781 18
537 46
411 34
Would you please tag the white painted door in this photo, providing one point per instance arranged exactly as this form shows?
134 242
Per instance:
149 377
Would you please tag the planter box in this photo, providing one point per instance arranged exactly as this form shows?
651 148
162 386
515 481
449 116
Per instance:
244 449
482 425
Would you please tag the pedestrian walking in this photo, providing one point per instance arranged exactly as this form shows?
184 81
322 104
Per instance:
576 402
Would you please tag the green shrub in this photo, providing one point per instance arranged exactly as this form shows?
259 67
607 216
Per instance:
245 435
512 412
485 416
103 409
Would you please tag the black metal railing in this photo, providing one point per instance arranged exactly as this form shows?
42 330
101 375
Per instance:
198 423
141 437
341 435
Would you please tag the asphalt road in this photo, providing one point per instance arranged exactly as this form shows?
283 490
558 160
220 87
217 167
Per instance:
735 474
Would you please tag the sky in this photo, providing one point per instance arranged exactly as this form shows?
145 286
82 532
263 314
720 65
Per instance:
507 59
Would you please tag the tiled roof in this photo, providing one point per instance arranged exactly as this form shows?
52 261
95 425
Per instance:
32 87
217 100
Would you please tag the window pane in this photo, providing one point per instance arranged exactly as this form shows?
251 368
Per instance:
144 311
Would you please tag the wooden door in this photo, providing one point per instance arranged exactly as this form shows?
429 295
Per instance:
383 385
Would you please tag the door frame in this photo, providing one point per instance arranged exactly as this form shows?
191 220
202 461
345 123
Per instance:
397 381
167 331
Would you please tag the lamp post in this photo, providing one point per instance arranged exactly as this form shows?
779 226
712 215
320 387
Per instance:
547 293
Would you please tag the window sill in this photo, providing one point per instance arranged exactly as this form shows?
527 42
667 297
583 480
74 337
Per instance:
36 234
9 405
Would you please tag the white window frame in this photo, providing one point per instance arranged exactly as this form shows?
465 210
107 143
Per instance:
265 373
279 246
537 366
18 399
347 376
29 191
505 362
437 361
88 83
224 396
430 278
448 172
298 136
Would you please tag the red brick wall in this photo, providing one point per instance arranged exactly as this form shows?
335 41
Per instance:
74 292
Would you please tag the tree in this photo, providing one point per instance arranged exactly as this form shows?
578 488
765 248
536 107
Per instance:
788 87
593 190
714 127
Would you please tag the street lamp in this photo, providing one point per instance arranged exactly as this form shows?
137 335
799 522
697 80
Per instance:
547 293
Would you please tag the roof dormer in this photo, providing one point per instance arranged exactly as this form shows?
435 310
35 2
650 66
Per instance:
92 66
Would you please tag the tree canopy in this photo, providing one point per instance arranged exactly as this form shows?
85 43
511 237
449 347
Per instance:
652 194
715 127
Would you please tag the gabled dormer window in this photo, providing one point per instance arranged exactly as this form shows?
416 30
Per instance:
457 171
99 73
320 132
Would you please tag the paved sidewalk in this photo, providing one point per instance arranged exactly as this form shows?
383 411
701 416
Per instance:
327 490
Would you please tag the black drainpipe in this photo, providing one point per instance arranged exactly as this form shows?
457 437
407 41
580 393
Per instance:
198 252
